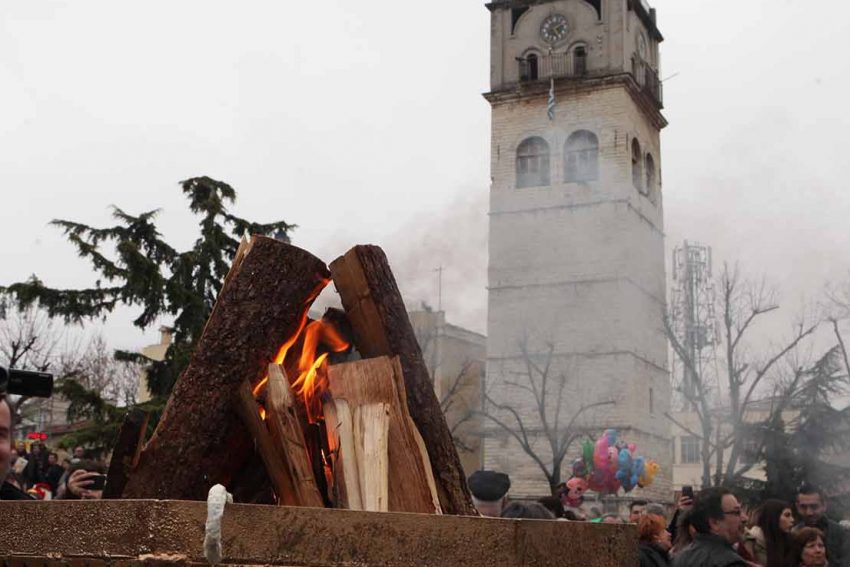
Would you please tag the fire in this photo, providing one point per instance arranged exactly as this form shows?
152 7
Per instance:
312 379
312 368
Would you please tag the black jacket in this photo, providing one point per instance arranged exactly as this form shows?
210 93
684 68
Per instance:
653 556
836 540
708 550
11 492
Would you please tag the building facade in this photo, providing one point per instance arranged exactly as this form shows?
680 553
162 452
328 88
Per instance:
455 358
576 269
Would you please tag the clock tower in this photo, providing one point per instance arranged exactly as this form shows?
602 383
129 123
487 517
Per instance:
576 269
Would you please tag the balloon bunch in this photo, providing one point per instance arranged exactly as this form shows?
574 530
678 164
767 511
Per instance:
611 464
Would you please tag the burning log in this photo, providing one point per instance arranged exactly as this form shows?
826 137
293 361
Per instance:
379 380
381 326
286 432
340 425
201 440
271 452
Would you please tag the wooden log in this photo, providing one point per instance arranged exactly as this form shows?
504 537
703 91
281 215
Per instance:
200 440
340 425
379 380
371 432
125 452
272 453
381 326
285 428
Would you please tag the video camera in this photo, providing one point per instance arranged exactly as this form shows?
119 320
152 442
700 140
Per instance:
25 382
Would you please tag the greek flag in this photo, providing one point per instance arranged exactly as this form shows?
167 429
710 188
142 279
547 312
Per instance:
550 106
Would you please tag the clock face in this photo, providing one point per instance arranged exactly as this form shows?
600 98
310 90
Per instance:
554 29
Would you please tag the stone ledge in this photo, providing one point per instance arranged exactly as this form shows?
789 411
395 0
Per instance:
163 532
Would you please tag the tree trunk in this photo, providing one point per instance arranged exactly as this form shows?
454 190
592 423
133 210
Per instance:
381 326
200 440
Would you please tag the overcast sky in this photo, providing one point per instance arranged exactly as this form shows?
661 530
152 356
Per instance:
364 122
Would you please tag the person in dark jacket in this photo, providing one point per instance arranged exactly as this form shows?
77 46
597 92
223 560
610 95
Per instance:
654 540
718 519
54 472
811 506
7 490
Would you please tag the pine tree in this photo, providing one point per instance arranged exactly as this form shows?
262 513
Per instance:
136 267
805 448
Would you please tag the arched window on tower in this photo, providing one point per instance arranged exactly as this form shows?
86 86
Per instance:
580 60
532 67
581 157
650 177
637 176
532 163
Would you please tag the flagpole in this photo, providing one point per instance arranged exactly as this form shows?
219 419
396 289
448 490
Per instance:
550 104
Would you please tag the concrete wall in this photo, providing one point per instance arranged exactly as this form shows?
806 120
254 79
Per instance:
129 533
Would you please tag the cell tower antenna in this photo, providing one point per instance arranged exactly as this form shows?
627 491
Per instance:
692 309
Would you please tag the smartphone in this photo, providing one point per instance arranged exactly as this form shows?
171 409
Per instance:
688 491
99 481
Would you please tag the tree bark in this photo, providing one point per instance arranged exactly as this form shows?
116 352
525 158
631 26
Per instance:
200 440
381 326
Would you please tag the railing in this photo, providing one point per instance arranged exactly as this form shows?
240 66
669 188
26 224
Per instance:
647 78
557 65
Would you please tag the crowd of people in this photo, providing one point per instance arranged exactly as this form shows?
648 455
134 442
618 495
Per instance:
711 529
41 474
45 475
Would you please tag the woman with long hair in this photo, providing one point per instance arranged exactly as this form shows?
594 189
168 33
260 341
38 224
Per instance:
684 532
769 540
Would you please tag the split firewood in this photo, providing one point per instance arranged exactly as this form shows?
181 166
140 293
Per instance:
378 316
377 380
200 439
272 453
340 426
285 428
371 430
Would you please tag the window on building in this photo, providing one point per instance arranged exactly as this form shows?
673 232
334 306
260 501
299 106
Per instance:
750 451
597 5
529 68
516 14
581 157
690 450
650 175
532 163
580 60
637 175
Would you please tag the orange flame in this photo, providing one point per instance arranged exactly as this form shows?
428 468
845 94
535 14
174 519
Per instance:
312 380
302 321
